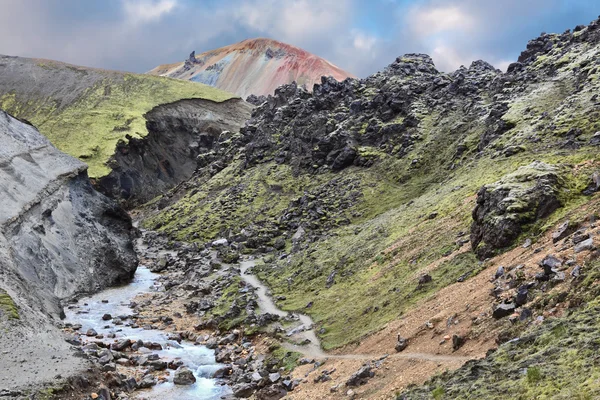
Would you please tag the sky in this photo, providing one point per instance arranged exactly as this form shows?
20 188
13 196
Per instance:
360 36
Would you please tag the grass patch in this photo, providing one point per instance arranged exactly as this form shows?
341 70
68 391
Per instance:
8 306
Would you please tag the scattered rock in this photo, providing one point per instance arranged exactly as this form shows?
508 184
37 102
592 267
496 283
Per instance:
586 245
361 376
423 279
503 310
561 232
184 376
457 342
401 344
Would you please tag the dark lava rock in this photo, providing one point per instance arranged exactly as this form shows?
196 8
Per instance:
587 244
361 376
147 382
550 264
529 193
561 232
521 296
457 342
401 344
243 389
503 310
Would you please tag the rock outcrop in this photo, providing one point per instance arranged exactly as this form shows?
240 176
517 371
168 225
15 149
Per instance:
520 198
182 137
58 238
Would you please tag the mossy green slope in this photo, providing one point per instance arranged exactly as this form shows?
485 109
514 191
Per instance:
359 265
85 112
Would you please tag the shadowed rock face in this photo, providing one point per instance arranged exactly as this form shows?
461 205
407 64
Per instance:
64 237
179 134
253 66
58 238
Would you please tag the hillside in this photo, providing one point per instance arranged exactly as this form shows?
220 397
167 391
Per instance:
367 199
85 112
253 66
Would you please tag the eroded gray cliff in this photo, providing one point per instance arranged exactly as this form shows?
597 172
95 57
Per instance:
58 238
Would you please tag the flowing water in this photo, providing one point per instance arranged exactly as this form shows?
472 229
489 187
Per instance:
115 301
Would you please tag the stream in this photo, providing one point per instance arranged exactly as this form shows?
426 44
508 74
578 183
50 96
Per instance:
115 301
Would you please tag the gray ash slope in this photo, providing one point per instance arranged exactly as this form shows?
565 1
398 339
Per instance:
59 238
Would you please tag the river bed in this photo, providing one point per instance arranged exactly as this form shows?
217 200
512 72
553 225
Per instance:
115 301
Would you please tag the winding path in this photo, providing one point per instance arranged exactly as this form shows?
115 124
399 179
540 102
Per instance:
314 349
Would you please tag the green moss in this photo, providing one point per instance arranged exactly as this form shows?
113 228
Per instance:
285 358
105 114
438 393
8 306
534 375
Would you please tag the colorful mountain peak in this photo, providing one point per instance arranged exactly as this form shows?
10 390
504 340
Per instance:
253 66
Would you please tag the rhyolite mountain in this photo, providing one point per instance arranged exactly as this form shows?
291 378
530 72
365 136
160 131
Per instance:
253 66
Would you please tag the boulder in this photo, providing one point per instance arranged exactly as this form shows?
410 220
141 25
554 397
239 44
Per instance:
503 310
361 376
243 390
184 376
520 198
401 344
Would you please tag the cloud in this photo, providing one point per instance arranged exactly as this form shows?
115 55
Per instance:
363 41
428 21
359 36
141 11
293 20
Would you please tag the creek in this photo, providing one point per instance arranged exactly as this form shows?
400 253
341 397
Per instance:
115 301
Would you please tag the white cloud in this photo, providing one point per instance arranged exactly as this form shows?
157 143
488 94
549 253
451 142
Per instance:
297 21
503 65
140 11
427 21
447 58
363 41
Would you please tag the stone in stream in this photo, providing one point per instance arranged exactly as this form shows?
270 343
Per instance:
184 376
120 345
106 317
91 332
